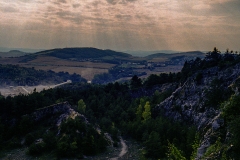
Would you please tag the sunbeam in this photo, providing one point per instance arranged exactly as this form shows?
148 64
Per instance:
120 24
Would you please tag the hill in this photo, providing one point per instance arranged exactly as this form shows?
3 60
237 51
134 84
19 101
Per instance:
83 53
15 75
193 114
91 62
186 54
13 53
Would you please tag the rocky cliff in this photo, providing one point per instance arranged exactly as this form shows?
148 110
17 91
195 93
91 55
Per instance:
193 102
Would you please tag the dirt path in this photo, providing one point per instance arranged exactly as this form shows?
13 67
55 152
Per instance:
123 150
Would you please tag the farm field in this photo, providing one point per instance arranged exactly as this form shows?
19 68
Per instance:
48 60
86 69
89 67
86 72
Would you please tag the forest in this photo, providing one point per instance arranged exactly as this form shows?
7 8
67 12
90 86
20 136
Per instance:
16 75
126 109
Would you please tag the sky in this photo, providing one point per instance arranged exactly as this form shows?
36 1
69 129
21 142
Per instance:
147 25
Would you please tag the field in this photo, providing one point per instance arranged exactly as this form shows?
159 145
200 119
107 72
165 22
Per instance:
86 69
47 60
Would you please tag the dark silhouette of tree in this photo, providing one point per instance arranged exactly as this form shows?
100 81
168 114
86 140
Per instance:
135 82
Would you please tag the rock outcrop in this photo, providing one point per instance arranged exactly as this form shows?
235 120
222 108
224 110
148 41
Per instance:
63 111
189 103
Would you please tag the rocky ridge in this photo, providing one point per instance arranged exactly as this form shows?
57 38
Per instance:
188 103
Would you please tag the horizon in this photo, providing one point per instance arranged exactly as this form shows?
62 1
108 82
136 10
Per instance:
132 52
121 25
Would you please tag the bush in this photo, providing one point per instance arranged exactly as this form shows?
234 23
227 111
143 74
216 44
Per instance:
29 139
36 148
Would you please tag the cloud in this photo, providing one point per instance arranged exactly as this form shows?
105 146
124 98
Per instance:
76 5
9 9
123 17
201 6
62 1
112 1
119 23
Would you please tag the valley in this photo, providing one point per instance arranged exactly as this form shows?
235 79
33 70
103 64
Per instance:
64 60
119 80
184 115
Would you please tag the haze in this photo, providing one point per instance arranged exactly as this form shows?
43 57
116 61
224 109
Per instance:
121 24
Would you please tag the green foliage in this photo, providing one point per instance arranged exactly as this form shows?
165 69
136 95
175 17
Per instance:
81 106
235 130
13 143
195 146
88 141
66 149
15 75
153 144
25 125
84 53
174 153
112 107
231 113
36 148
147 112
29 139
217 93
214 148
154 79
212 59
231 108
156 132
139 113
50 140
135 82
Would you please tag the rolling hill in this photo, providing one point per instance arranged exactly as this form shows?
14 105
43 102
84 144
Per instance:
83 53
13 53
186 54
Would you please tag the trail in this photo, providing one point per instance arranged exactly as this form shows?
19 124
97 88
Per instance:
25 90
57 85
123 150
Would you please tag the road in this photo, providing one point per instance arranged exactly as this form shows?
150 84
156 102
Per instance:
124 150
13 91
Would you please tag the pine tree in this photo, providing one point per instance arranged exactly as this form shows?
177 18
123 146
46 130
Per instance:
147 112
81 106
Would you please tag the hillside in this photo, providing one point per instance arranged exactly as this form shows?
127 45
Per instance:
209 99
13 53
13 75
83 53
190 54
193 114
101 66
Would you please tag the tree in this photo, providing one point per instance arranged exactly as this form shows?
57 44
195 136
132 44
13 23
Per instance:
147 112
154 148
140 109
139 112
81 106
231 113
136 82
174 153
